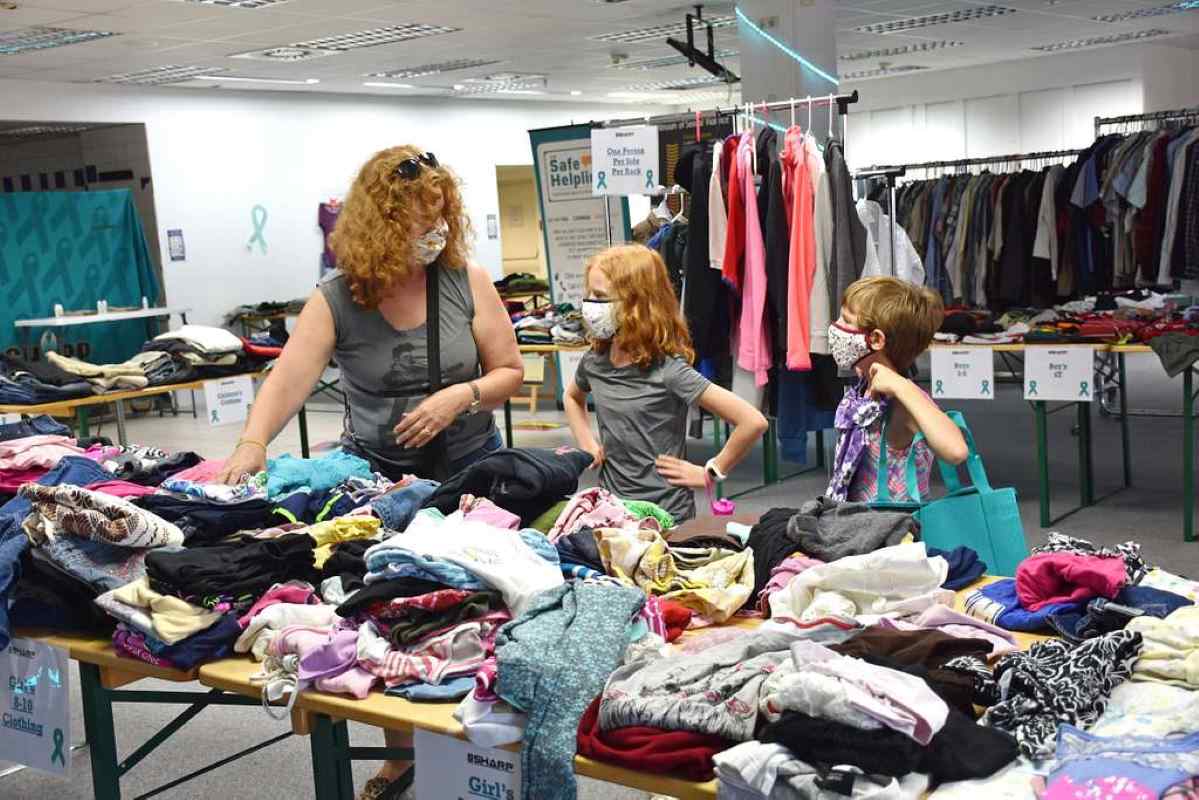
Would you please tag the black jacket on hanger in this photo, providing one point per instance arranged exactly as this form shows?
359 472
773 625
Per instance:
703 290
777 236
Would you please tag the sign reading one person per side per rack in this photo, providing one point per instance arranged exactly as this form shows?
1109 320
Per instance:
624 161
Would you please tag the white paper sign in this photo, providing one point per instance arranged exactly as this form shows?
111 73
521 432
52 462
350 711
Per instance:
35 723
451 769
966 373
625 160
228 399
568 365
1059 373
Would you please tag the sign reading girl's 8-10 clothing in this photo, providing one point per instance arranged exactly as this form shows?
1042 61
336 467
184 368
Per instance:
35 724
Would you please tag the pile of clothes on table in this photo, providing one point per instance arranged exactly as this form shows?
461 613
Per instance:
560 324
186 354
826 649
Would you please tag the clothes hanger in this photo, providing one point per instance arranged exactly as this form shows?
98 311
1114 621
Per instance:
809 113
792 112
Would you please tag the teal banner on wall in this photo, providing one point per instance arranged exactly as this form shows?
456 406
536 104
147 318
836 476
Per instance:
72 249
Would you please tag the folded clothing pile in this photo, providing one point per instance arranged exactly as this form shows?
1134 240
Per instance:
30 382
212 352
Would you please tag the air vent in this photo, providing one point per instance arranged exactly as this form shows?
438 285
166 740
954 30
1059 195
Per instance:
41 38
1093 41
159 76
435 69
508 77
657 33
286 55
518 87
376 36
912 23
907 49
248 4
680 85
665 61
1156 11
881 72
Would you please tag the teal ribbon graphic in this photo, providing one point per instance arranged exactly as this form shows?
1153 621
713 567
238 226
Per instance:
258 217
215 417
939 388
986 388
57 755
649 179
601 180
1083 391
1032 387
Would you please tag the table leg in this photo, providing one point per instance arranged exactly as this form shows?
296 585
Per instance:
302 418
97 720
120 408
325 782
83 415
1124 436
343 765
508 422
1188 456
1042 458
1086 464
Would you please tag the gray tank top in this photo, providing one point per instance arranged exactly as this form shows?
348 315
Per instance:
385 373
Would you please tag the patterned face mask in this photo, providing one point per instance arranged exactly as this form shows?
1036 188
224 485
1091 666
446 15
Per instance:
600 318
428 247
848 345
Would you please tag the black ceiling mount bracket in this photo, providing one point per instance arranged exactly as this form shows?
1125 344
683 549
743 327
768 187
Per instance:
695 56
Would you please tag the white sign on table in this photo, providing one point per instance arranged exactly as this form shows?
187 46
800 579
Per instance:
452 768
967 373
228 399
35 725
1059 373
625 160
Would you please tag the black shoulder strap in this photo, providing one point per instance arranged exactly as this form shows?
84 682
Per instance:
435 451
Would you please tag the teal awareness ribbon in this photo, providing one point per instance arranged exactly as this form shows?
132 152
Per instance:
649 179
986 388
601 180
258 217
215 417
1083 389
1032 387
939 388
57 755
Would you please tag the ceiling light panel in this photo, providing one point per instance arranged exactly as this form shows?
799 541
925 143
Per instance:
522 87
665 61
881 72
159 76
1093 41
247 4
376 36
43 38
286 55
657 33
435 69
1156 11
907 49
681 84
968 14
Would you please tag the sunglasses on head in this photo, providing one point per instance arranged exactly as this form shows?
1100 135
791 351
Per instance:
410 168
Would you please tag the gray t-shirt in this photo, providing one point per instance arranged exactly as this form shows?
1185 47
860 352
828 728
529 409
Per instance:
642 414
385 372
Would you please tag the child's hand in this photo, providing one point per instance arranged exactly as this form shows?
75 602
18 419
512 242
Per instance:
678 472
884 382
597 455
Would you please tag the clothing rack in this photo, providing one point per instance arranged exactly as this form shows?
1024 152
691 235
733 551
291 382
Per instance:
1046 155
1150 116
889 174
683 118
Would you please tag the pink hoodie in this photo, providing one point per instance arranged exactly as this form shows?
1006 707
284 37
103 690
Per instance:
754 352
802 260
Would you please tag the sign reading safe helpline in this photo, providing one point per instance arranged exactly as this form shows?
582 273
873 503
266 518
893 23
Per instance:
452 768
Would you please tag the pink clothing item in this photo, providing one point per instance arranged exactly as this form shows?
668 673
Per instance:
99 453
864 486
37 451
734 240
781 575
651 612
485 679
590 508
753 345
13 479
1049 578
294 592
356 682
955 623
121 489
133 645
480 509
458 651
801 263
298 640
439 600
204 472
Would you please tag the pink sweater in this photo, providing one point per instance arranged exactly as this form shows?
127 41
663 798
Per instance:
801 270
753 353
1067 578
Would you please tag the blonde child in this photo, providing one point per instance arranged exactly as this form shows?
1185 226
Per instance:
885 324
639 376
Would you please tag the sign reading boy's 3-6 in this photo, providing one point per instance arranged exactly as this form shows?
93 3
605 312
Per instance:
625 160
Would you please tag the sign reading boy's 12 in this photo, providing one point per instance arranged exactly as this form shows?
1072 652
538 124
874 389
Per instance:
625 160
35 723
1059 373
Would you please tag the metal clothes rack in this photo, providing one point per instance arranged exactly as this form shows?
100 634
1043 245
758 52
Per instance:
1175 115
1044 155
889 174
691 117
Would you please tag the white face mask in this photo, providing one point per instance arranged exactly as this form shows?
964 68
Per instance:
848 345
428 247
600 318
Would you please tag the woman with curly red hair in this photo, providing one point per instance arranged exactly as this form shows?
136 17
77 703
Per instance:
639 376
404 213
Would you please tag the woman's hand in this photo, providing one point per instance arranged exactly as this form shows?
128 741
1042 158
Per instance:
248 459
678 472
434 414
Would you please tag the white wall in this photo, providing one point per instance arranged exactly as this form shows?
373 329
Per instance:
215 155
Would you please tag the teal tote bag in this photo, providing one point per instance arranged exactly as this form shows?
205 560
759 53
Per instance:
985 519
